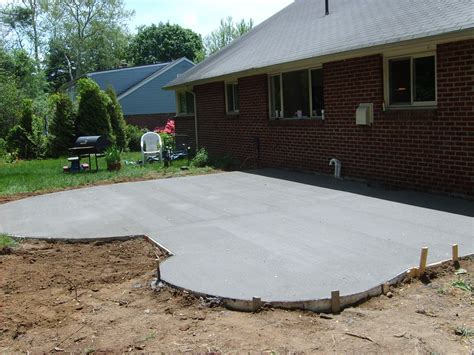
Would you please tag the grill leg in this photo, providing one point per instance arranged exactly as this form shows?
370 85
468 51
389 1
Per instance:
96 164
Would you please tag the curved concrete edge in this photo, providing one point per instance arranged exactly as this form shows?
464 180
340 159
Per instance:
317 306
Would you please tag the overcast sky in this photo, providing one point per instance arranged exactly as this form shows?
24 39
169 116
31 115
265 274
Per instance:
202 16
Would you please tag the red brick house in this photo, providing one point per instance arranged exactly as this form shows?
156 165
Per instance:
385 86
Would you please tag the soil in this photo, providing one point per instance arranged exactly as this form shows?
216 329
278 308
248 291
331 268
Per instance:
96 298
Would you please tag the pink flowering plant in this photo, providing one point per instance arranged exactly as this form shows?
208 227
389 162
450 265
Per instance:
166 132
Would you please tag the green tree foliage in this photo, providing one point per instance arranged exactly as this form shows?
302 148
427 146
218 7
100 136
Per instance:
93 116
62 127
88 35
163 43
225 34
116 119
27 139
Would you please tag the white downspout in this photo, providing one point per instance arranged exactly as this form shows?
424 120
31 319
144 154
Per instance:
196 121
337 167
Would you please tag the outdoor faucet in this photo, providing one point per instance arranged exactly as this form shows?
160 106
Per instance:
337 167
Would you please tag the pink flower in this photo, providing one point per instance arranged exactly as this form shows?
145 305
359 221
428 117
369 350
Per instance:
169 128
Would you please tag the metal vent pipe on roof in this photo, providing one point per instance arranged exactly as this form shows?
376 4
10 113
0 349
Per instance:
327 7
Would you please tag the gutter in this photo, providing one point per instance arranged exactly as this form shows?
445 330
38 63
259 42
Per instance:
196 121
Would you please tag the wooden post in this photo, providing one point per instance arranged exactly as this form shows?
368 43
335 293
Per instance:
335 302
455 253
158 272
423 259
413 272
256 304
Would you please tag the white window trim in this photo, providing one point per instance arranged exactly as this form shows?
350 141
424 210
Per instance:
386 79
310 93
183 114
233 83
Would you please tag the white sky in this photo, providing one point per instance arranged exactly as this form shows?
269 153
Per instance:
202 16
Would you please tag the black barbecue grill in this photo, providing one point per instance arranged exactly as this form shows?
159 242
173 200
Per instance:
85 147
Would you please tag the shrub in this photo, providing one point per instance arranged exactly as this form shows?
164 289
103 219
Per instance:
134 135
116 119
3 148
226 162
201 159
166 140
92 115
27 139
62 127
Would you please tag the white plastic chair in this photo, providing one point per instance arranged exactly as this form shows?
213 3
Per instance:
151 146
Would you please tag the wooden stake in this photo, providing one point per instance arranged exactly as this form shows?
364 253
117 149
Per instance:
423 259
455 253
256 304
158 272
335 302
413 272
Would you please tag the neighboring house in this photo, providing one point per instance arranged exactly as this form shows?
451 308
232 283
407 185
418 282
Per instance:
140 90
292 88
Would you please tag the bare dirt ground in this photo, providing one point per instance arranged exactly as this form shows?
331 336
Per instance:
96 298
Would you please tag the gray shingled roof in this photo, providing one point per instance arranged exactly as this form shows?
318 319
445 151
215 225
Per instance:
124 78
302 31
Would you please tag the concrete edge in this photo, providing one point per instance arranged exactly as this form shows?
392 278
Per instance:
92 240
254 305
317 306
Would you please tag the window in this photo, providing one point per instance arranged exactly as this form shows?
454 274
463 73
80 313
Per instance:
185 103
297 94
412 80
232 97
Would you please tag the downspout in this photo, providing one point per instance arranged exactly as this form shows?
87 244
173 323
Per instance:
196 121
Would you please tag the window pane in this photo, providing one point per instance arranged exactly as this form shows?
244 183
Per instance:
424 73
296 93
275 95
232 99
189 102
317 92
400 81
236 97
182 102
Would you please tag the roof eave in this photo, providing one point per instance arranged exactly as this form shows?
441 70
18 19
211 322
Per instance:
336 56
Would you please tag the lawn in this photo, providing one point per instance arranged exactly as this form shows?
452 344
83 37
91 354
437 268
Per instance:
24 177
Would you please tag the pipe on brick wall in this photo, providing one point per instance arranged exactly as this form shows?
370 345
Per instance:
196 121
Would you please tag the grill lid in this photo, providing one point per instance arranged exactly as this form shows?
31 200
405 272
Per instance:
99 143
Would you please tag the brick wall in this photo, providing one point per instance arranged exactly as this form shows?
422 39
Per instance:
425 149
149 121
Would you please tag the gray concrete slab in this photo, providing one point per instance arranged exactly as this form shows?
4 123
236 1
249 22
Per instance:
272 234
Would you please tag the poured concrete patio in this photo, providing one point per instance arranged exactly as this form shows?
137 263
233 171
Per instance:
272 234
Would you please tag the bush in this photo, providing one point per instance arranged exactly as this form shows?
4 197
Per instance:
201 158
93 116
225 163
62 127
3 148
27 140
134 135
116 119
166 140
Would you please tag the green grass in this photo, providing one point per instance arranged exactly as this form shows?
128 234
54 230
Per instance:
47 175
6 241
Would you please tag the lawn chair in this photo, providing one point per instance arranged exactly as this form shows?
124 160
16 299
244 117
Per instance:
152 148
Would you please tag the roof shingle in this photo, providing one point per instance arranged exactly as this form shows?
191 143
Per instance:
302 31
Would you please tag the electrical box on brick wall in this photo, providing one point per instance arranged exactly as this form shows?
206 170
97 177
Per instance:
365 114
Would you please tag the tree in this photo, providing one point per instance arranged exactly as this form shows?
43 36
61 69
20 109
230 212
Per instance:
89 35
164 43
27 22
116 119
62 127
226 33
92 115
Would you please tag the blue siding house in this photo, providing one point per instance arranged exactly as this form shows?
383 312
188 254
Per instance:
140 90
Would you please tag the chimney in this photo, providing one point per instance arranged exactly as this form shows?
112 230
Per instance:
327 7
